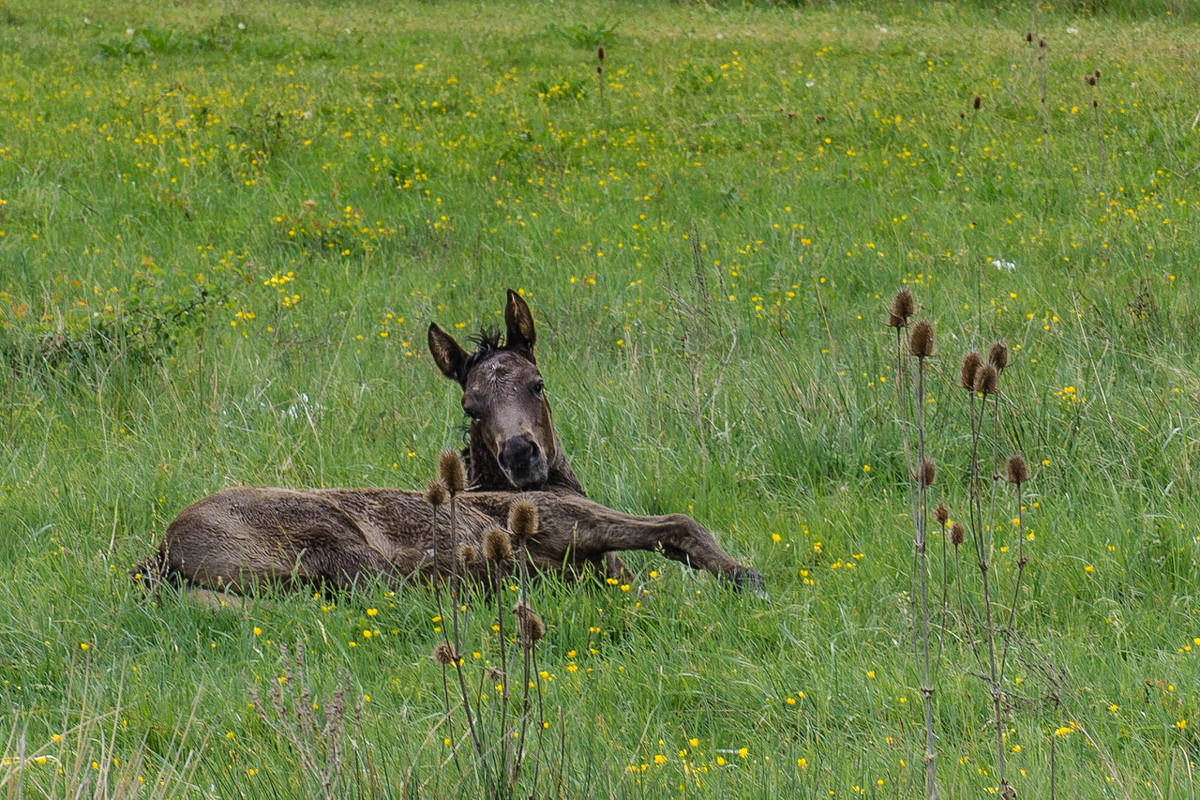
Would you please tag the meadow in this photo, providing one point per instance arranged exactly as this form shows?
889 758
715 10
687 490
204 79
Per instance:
225 228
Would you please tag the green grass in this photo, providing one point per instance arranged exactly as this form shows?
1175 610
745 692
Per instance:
224 229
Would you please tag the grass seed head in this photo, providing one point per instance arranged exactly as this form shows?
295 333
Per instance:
496 546
987 380
921 343
523 519
970 365
1016 469
941 514
435 494
453 475
998 354
902 308
958 534
927 473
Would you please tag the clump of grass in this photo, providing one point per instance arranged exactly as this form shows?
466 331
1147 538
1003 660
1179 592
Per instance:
313 728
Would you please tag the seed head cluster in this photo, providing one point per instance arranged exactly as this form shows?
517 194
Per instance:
444 654
523 519
971 363
1016 470
987 380
902 308
921 343
927 473
452 472
532 627
435 494
496 546
998 355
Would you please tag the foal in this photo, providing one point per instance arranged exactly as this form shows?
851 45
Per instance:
239 537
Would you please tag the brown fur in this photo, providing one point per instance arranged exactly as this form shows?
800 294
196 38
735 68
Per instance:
242 536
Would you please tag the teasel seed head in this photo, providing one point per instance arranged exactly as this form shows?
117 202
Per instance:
444 654
1097 74
921 342
958 534
1029 37
970 365
902 308
523 519
998 355
1016 469
435 494
532 626
600 52
496 546
451 471
941 514
977 102
1090 80
987 380
467 554
926 473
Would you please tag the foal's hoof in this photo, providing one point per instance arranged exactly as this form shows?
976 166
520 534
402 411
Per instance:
745 579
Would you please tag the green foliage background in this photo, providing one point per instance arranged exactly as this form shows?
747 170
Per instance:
225 227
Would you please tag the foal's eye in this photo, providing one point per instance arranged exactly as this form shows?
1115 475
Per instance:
538 388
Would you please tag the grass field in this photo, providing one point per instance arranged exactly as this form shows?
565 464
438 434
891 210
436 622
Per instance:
224 229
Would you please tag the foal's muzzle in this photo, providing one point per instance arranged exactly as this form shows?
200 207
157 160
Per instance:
523 462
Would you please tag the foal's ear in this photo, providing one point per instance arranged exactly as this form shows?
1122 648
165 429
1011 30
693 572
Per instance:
521 335
448 356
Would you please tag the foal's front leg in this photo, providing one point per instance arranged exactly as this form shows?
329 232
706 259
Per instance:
593 529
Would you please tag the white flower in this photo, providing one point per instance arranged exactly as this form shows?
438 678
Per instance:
1006 266
1072 31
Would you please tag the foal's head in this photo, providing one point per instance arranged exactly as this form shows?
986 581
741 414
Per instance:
503 396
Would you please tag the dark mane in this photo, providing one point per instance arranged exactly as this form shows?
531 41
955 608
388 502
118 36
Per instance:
487 344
